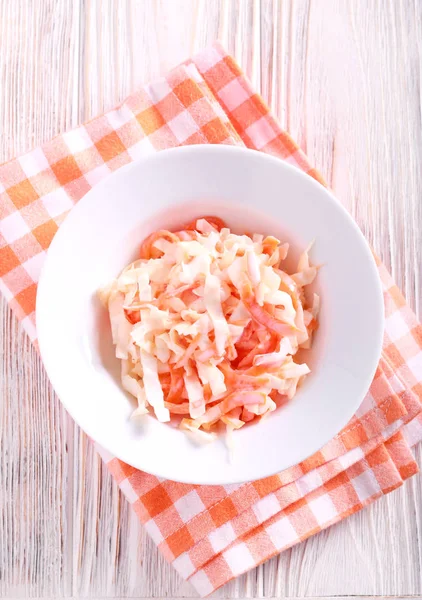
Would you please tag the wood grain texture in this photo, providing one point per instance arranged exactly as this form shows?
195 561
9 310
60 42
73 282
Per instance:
345 79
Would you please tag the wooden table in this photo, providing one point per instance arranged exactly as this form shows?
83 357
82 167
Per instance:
344 77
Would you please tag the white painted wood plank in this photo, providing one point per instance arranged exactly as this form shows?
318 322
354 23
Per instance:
344 78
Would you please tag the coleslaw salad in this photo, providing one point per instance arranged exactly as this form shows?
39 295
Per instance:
207 324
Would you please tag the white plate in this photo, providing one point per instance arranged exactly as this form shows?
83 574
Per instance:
253 192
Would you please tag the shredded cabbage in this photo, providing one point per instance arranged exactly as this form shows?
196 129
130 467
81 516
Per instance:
207 325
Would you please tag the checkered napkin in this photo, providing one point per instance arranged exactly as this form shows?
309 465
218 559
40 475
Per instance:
213 533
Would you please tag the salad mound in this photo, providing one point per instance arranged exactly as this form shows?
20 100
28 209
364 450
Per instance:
207 325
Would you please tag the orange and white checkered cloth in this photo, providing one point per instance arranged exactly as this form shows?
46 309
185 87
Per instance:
213 533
